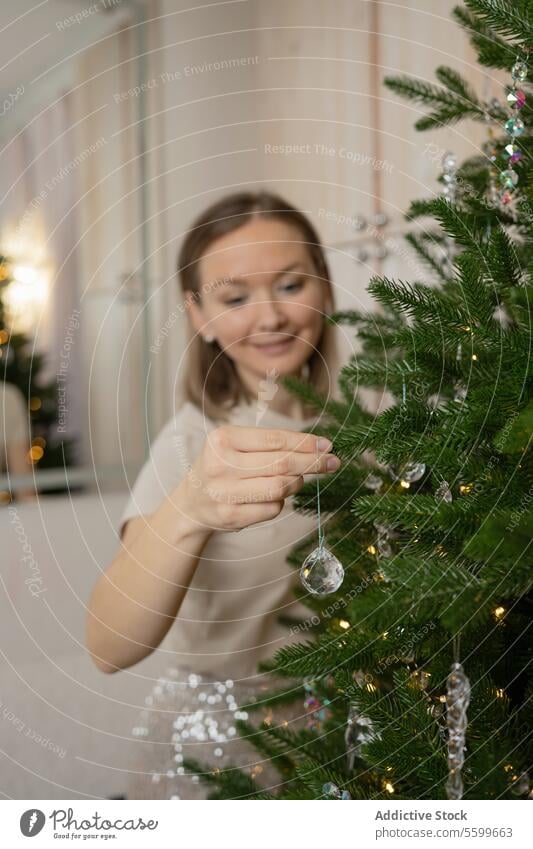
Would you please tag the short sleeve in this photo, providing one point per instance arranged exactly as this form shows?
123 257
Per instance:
171 456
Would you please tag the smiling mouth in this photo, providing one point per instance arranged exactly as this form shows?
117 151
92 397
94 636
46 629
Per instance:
273 347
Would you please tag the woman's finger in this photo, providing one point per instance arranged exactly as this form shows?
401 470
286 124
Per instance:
257 490
269 439
273 463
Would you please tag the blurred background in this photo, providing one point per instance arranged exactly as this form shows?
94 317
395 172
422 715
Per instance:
120 122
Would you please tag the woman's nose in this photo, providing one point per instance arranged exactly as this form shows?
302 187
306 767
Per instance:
269 314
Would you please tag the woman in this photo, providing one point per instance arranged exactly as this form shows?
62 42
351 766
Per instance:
257 288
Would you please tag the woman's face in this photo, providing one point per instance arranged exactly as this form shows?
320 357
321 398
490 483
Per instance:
261 298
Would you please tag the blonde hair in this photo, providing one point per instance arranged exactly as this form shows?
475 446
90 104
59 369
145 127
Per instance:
211 380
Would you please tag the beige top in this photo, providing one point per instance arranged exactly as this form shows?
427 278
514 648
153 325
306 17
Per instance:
228 619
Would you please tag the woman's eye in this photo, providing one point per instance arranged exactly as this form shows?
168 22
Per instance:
293 287
290 287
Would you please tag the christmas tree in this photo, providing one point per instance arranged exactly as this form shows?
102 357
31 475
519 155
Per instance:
416 673
22 366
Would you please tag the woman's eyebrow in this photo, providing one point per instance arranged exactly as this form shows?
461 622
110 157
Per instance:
243 281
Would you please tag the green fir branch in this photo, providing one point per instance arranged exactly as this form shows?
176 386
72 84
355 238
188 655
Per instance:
511 20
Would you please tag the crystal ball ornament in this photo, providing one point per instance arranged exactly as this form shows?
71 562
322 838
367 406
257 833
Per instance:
516 99
508 178
514 127
519 71
321 572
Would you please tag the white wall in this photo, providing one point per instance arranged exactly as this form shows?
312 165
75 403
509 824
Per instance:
313 78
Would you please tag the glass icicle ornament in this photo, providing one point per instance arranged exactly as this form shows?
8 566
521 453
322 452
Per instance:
359 730
457 701
459 389
321 572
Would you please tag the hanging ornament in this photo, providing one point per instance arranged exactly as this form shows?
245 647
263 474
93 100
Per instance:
436 710
449 175
459 392
457 701
512 153
503 173
317 709
373 247
449 192
508 178
459 389
501 315
491 152
321 572
516 98
519 71
385 534
384 547
359 730
443 492
412 472
333 791
373 482
514 127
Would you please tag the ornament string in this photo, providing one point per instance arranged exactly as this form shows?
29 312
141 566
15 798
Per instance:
320 531
456 644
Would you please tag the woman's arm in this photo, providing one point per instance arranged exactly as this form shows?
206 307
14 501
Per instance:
136 600
245 475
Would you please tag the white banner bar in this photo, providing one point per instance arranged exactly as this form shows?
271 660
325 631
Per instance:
255 825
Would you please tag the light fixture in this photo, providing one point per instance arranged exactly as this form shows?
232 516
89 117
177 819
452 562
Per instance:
25 296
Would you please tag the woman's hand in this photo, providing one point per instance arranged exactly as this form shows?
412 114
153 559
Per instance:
244 474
